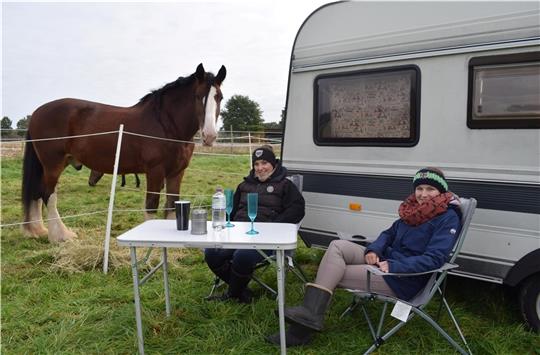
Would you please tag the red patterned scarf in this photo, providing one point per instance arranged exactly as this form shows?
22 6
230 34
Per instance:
414 213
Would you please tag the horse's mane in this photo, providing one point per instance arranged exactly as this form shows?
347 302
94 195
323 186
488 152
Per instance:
178 83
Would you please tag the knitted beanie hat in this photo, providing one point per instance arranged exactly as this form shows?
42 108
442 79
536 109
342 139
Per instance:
431 176
264 153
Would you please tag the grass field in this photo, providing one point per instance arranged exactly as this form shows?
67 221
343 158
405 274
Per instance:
56 300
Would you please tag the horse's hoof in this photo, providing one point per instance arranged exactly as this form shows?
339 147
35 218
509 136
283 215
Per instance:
34 232
42 231
69 235
62 236
62 239
31 235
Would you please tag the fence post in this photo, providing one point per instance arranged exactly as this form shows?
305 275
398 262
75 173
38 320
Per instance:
249 145
232 139
111 200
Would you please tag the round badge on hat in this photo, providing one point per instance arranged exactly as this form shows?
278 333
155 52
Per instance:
270 189
258 153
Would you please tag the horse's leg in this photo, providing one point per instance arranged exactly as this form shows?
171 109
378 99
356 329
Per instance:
32 192
94 177
173 182
173 189
154 184
75 163
123 181
137 180
58 232
35 227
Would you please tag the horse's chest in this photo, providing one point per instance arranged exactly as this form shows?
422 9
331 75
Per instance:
176 160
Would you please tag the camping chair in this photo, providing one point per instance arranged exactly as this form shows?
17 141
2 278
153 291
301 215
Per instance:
290 264
420 301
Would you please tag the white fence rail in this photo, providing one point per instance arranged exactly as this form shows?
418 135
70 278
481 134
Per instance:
233 139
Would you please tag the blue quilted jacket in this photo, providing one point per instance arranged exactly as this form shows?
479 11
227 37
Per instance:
410 249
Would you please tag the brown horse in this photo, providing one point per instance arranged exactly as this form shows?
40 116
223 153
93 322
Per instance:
176 111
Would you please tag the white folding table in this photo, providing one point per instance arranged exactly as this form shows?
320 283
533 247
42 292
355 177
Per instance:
162 233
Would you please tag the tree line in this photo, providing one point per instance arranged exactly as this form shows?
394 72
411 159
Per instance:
239 114
243 114
9 132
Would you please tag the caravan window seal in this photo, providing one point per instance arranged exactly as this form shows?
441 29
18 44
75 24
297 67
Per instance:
349 107
486 109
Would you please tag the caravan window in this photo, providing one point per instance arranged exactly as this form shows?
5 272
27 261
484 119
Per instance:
374 107
504 91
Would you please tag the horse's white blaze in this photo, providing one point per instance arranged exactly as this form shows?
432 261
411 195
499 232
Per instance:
209 132
57 230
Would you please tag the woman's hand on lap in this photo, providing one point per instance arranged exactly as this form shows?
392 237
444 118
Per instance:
371 258
383 265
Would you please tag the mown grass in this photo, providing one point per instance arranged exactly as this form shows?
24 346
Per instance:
56 300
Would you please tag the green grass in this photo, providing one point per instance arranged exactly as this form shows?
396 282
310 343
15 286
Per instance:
56 300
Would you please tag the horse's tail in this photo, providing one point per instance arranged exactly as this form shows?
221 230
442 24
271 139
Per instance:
33 187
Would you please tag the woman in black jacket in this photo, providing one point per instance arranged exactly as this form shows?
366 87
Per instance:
279 201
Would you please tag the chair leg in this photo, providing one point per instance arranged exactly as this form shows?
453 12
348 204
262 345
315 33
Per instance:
264 265
291 265
297 270
442 292
354 303
440 330
370 324
381 320
144 260
376 335
264 285
379 340
217 284
456 324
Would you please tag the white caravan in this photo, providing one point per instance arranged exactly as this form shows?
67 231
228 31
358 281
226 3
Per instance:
378 90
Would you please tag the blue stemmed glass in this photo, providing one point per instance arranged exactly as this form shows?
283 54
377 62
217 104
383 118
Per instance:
253 201
229 206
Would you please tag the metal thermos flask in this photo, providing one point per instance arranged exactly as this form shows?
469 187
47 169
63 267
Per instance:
199 217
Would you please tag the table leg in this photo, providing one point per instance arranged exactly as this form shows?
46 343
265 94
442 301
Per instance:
137 298
166 283
280 256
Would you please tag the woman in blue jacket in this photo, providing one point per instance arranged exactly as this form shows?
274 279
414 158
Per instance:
420 240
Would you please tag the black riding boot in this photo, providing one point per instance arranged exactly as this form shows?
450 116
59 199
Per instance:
294 336
311 313
223 271
238 287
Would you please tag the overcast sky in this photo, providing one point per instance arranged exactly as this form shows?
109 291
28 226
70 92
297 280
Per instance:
115 53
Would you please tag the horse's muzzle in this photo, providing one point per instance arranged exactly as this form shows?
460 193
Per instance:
209 139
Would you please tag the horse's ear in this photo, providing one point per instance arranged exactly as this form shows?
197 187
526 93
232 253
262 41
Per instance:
221 75
199 73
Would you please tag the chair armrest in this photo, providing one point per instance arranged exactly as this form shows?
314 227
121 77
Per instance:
376 271
355 237
371 269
